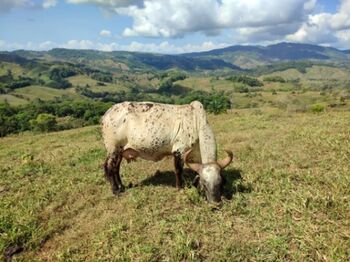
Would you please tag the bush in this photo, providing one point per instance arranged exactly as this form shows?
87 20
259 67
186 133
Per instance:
215 102
241 89
278 79
58 73
59 84
18 84
249 81
102 77
44 123
317 108
219 103
165 85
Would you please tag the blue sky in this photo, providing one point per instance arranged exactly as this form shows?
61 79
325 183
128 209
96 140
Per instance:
171 26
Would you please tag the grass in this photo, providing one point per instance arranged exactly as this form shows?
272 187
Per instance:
16 70
289 187
45 93
13 100
82 80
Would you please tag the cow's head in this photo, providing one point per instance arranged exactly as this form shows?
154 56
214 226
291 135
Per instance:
209 178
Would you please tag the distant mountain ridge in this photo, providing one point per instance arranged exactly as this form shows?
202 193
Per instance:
231 58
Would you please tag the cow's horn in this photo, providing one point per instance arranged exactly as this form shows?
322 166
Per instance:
194 166
226 161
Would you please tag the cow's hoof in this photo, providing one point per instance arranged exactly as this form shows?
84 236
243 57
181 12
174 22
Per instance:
178 188
119 191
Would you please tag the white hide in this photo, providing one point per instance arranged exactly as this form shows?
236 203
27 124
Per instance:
153 130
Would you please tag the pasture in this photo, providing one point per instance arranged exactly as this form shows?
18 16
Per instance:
287 196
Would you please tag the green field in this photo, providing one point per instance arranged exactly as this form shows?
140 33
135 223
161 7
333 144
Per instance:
32 92
287 196
289 186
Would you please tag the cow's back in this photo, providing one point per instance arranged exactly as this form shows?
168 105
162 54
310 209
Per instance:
151 128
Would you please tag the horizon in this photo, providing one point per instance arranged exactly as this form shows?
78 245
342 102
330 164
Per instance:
174 27
106 51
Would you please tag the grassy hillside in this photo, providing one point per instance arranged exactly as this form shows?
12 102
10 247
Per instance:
287 196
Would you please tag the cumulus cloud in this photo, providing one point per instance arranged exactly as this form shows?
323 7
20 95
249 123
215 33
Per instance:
7 5
325 28
163 47
105 33
49 3
78 44
108 3
174 18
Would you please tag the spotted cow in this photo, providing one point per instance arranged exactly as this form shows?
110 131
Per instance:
152 131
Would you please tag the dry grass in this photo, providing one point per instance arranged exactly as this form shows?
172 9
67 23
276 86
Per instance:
31 93
289 186
13 100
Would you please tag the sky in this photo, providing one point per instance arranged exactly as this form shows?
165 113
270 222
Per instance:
171 26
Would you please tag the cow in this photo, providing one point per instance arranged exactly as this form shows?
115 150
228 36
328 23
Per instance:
153 131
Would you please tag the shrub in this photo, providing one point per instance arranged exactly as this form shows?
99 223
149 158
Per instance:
44 123
241 89
102 77
58 73
278 79
59 84
317 108
219 103
18 84
249 81
215 102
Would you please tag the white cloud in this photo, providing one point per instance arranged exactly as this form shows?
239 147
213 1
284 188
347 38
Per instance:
163 47
49 3
108 3
105 33
174 18
325 28
78 44
7 5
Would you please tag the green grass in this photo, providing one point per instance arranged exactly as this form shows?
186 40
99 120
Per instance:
12 100
206 84
16 70
289 186
82 80
45 93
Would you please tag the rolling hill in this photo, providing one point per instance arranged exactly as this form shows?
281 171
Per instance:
231 58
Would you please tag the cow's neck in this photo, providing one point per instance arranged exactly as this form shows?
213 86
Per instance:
207 143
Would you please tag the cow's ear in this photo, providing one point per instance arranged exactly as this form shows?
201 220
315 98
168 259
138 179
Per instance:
194 166
196 181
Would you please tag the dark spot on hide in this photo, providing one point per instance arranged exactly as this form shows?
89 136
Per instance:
147 107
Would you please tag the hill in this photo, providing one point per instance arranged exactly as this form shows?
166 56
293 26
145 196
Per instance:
287 192
287 196
232 57
252 56
129 60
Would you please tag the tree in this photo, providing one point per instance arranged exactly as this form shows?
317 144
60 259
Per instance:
218 103
44 123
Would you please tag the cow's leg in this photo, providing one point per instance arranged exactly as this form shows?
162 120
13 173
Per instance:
109 172
179 165
112 168
117 178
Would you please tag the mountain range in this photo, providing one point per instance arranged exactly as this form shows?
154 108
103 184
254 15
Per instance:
236 57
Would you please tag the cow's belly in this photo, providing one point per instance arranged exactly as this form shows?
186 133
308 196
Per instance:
150 149
147 153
